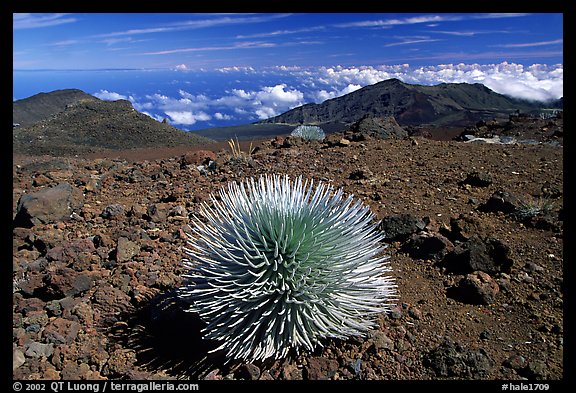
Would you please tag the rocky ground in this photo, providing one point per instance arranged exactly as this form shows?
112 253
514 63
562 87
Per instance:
474 233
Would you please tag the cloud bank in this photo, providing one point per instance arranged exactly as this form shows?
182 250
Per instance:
286 87
536 82
188 109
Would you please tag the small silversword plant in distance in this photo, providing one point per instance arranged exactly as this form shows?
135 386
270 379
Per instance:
279 265
309 133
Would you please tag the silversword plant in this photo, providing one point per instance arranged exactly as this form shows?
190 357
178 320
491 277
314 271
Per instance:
309 133
279 265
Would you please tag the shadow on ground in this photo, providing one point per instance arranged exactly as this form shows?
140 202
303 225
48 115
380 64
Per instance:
165 337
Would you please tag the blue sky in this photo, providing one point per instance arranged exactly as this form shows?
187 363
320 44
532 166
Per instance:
158 40
205 70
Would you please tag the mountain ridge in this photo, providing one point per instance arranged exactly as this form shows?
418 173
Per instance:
72 122
445 104
41 106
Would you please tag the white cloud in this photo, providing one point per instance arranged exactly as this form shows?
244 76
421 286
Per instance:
274 100
33 21
532 44
239 45
155 117
515 80
181 67
410 42
65 43
109 95
267 102
536 82
221 116
403 21
266 113
283 32
187 118
242 94
198 24
428 19
349 89
186 102
323 95
236 69
278 97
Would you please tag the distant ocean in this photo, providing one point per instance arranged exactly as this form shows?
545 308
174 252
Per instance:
190 100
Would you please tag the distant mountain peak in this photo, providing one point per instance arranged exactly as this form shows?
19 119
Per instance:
445 104
70 121
43 105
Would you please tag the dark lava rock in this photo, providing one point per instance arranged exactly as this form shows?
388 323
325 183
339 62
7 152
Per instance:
400 227
475 288
428 246
500 201
551 191
360 174
293 141
113 211
47 206
451 359
34 281
478 179
27 305
536 370
75 371
490 256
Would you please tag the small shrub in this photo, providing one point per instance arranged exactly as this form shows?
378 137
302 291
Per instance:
237 154
533 207
309 133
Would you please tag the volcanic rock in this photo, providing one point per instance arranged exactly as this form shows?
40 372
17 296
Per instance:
486 255
378 127
47 206
400 227
475 288
428 246
452 359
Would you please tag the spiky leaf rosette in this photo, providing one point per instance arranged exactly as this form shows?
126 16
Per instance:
281 264
309 133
